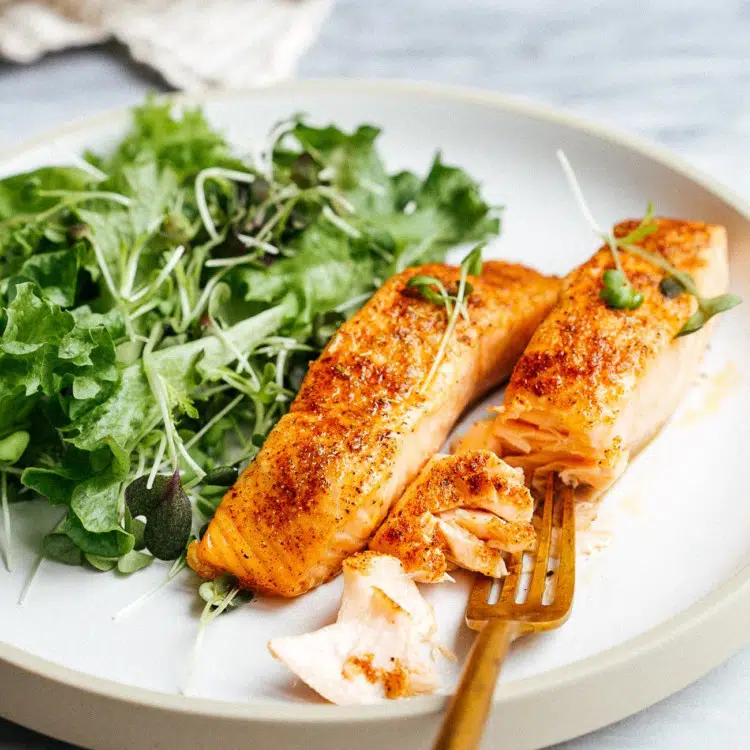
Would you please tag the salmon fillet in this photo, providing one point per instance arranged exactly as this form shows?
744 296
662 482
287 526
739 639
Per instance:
362 426
596 384
463 510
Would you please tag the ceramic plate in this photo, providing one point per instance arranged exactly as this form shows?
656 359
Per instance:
666 600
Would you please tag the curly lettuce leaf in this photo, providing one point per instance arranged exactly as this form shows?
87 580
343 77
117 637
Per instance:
44 350
55 274
186 142
21 195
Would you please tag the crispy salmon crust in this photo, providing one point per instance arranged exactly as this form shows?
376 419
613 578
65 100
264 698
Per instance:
362 426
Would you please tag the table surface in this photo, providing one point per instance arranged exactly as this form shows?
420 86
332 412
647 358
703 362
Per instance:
676 74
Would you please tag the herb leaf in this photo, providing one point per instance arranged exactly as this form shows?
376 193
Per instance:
707 308
618 292
432 290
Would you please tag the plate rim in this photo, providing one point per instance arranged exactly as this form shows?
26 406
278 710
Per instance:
709 616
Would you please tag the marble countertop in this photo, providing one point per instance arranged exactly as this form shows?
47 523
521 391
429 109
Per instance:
677 73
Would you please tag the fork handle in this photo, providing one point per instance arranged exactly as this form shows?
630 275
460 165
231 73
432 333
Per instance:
463 724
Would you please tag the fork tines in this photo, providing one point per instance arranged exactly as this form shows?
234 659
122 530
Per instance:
543 601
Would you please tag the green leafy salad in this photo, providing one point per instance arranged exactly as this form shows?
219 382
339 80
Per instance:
159 306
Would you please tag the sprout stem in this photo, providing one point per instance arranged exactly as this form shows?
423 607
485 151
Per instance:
578 193
35 568
86 195
189 460
203 299
30 580
174 259
104 268
157 462
211 611
448 330
179 564
200 192
216 418
6 519
339 223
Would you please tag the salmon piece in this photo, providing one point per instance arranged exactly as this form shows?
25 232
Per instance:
596 384
382 644
363 425
463 510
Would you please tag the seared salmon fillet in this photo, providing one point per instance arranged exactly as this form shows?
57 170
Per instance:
595 384
463 510
363 425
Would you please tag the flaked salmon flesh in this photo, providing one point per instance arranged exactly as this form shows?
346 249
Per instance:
363 425
462 511
382 645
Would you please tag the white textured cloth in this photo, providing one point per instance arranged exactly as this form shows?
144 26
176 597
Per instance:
192 43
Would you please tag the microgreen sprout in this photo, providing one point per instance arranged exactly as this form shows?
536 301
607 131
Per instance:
200 192
86 195
618 292
157 461
357 301
219 293
214 420
36 567
455 304
219 595
329 214
6 518
160 396
433 290
30 580
708 307
177 567
12 448
169 266
70 198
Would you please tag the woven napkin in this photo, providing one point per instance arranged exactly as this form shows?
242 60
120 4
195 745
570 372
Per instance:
192 43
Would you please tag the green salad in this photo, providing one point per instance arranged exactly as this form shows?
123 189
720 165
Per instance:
159 306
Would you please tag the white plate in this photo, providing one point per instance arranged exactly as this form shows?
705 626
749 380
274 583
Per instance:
666 601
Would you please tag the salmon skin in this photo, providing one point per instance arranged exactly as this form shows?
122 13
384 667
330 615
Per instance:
595 384
363 425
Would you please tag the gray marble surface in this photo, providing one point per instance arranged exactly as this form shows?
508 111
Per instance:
674 71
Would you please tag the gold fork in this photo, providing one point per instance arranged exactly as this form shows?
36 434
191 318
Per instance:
499 624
